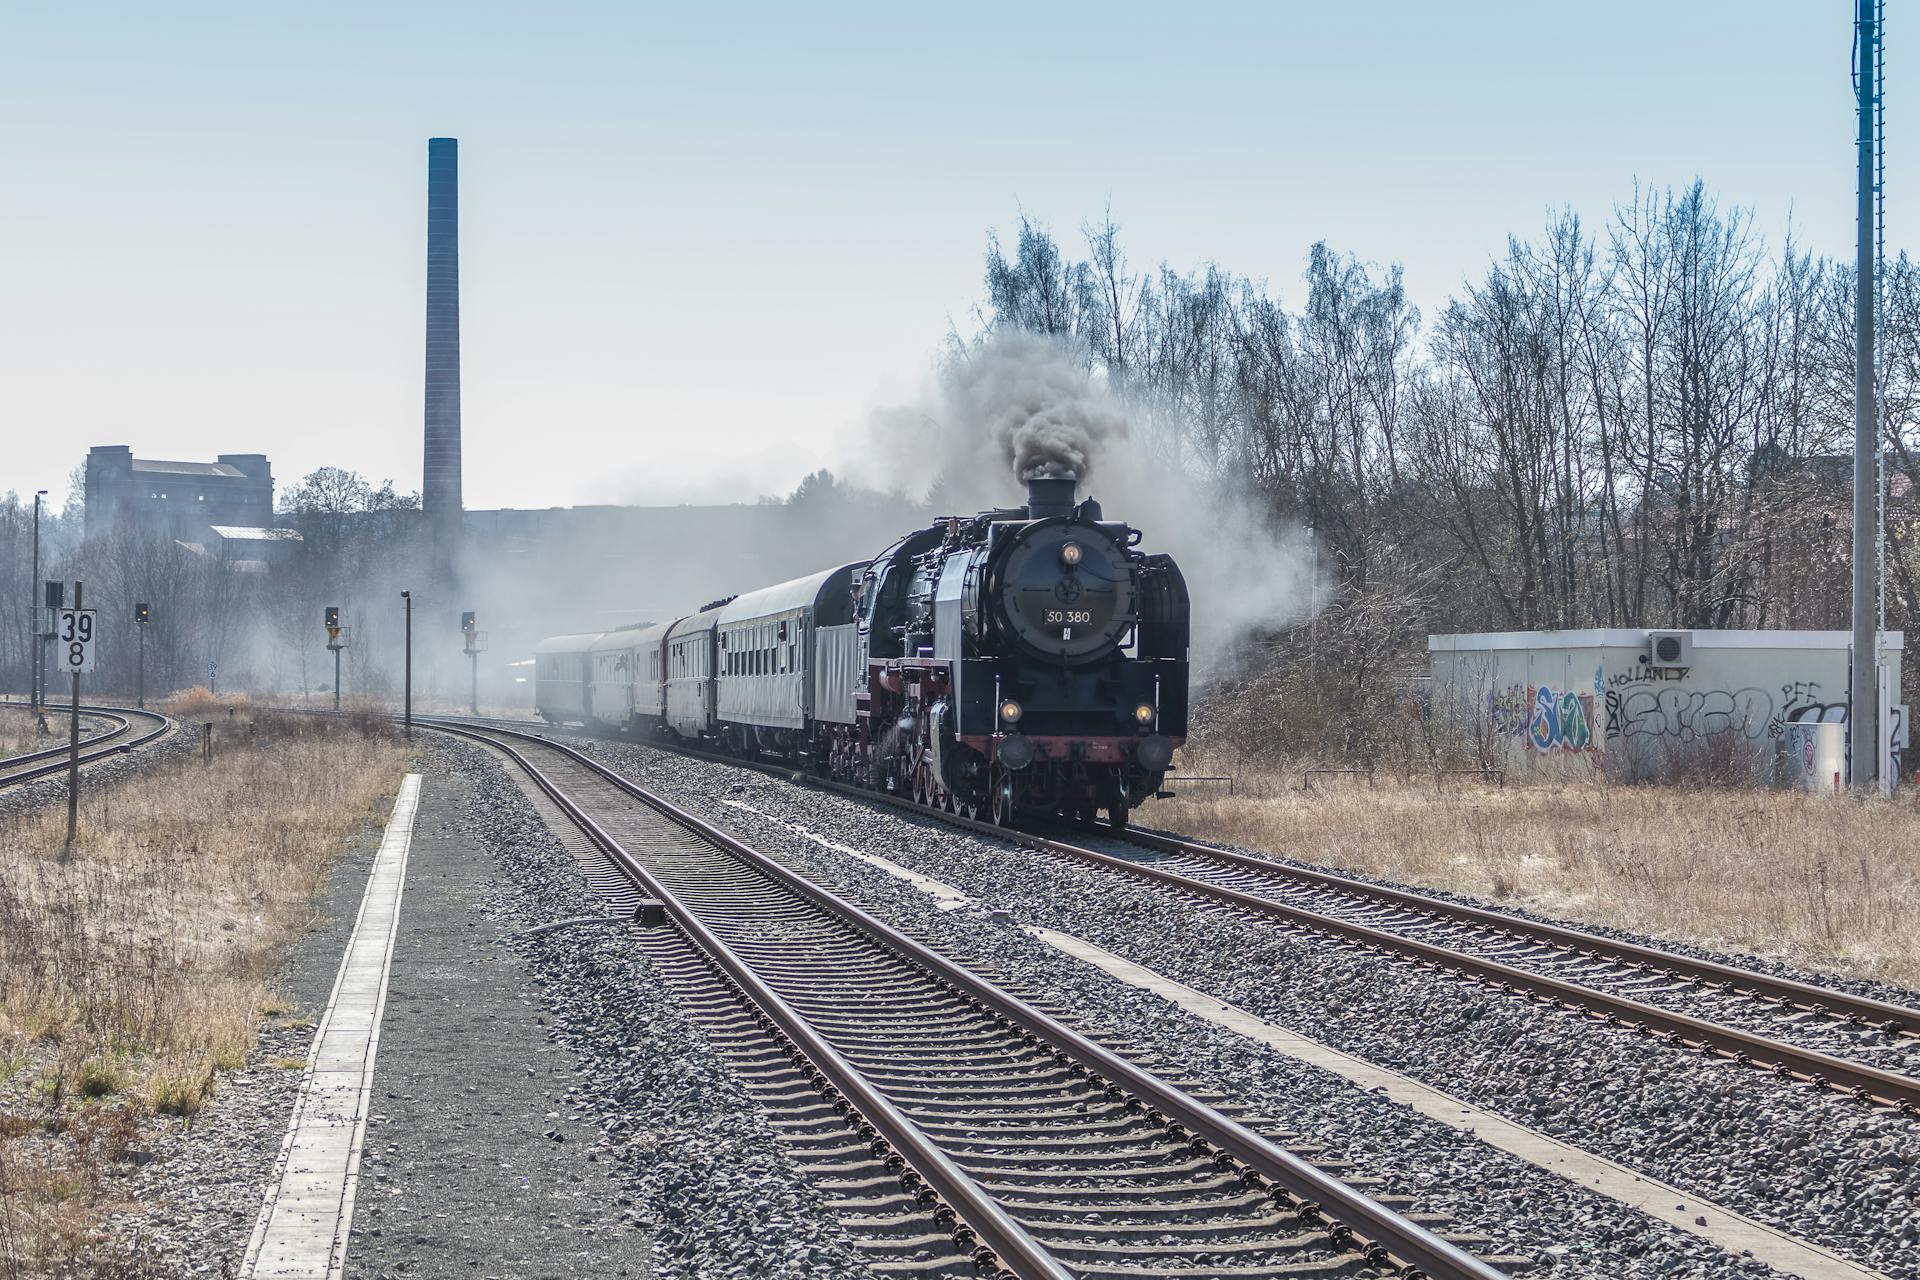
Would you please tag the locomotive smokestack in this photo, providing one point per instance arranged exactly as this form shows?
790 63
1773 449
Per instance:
1049 495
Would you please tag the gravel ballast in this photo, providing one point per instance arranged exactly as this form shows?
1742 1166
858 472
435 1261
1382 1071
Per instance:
1818 1166
667 1145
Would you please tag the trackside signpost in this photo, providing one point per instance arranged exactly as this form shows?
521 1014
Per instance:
336 641
142 615
73 643
476 644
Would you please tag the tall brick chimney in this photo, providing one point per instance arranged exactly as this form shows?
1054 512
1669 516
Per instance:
440 476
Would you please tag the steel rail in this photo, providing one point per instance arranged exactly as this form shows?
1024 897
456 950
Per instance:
1013 1249
98 747
1376 1231
1868 1084
1864 1083
1861 1082
120 724
1822 1000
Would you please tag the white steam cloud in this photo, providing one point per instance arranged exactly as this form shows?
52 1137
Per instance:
1020 403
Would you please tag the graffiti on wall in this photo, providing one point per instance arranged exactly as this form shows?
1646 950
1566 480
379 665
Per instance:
1547 719
1652 709
1689 715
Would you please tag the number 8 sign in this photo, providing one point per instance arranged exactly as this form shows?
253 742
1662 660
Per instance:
73 634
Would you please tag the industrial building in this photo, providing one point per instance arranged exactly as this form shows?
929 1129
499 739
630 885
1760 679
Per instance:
178 499
1649 703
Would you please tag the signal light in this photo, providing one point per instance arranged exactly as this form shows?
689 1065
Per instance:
333 616
466 621
142 614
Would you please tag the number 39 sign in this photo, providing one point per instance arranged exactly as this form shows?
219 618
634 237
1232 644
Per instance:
73 640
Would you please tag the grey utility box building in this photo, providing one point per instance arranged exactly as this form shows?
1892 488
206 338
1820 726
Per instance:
1642 704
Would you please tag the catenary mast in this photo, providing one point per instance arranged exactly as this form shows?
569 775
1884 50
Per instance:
1863 714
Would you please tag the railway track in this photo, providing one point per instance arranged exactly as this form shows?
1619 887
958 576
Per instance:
1874 1033
1816 1036
1749 1018
939 1106
127 729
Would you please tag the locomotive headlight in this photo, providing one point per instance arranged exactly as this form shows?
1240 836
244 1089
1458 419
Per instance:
1070 554
1010 712
1143 714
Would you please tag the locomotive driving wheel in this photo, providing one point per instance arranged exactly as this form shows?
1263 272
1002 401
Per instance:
1000 801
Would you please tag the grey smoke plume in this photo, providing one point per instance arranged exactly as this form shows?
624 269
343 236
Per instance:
1028 394
1021 402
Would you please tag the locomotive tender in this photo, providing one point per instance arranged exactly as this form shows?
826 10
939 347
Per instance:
1022 661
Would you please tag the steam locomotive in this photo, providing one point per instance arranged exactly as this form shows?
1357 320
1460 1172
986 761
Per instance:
1028 661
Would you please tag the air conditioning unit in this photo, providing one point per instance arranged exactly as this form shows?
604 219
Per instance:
1667 650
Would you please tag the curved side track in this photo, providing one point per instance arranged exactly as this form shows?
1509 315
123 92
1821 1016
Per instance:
1038 1151
1251 884
113 741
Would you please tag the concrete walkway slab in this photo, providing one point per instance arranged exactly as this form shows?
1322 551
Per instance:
304 1222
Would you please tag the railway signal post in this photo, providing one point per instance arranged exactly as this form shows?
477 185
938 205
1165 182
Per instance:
56 598
34 696
476 644
406 598
74 630
336 641
141 616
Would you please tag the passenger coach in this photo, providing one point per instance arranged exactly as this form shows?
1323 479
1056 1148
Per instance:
777 672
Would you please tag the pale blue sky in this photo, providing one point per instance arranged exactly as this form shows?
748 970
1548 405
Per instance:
698 245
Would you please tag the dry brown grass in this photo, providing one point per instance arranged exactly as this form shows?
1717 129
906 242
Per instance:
134 970
17 732
1831 884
